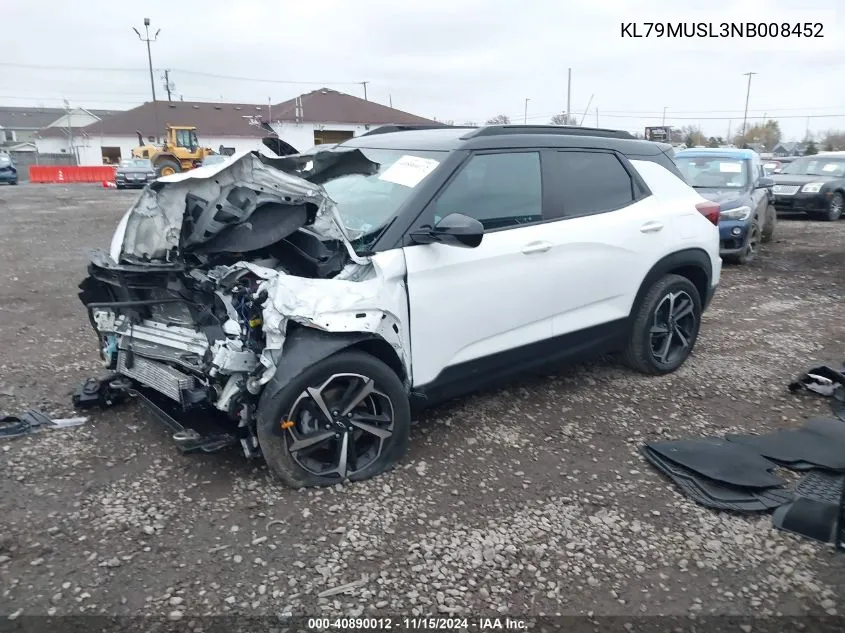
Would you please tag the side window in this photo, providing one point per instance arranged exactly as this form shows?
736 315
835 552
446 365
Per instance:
589 182
499 190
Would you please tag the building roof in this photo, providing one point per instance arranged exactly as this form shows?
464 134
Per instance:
20 118
330 106
210 119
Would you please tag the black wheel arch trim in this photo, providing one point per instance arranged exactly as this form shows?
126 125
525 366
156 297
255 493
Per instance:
678 263
303 348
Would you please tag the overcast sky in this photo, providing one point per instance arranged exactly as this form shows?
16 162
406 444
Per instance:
461 60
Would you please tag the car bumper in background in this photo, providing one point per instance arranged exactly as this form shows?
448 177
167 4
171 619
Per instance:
8 176
732 236
803 202
122 180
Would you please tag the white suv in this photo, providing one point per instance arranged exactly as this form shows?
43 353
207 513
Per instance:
303 304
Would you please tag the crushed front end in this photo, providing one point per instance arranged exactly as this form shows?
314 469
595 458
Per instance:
205 276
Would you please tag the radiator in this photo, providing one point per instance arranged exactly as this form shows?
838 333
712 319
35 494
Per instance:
164 379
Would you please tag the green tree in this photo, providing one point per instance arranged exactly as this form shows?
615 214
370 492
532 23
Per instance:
811 149
692 136
499 119
715 141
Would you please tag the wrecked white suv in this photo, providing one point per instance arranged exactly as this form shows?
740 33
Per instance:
301 305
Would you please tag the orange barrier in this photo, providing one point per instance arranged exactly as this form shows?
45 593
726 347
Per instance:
69 173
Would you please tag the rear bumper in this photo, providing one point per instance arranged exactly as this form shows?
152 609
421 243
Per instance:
8 176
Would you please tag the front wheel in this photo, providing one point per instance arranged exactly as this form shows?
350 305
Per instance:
665 327
834 208
346 417
769 225
752 243
168 167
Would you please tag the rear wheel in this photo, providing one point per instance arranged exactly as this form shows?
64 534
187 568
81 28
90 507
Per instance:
834 208
346 417
167 167
665 327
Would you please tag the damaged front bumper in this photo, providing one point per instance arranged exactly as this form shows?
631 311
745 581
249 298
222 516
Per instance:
206 274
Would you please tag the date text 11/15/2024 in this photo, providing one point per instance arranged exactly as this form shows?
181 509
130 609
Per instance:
723 29
417 624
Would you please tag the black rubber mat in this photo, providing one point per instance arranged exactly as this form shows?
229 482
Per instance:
816 511
821 443
720 460
714 494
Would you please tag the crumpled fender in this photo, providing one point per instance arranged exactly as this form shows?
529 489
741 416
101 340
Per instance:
303 348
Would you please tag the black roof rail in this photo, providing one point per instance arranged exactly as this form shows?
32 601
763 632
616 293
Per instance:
570 130
387 129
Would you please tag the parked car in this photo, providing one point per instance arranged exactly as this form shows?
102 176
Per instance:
772 166
307 304
736 180
8 171
814 185
134 172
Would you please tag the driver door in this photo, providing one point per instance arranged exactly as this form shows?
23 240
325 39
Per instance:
469 306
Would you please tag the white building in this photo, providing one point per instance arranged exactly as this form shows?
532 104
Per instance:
21 125
321 116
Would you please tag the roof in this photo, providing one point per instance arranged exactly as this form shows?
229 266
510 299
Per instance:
500 137
36 118
330 106
790 145
723 152
210 119
61 132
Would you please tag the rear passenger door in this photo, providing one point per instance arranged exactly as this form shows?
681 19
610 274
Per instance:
606 230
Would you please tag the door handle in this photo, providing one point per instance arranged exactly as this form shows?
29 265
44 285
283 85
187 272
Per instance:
536 247
651 227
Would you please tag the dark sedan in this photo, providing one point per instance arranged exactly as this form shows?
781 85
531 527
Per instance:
134 172
814 185
8 171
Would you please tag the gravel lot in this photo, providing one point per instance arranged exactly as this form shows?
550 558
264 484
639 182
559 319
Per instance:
526 500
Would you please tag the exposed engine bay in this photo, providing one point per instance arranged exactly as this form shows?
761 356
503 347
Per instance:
210 270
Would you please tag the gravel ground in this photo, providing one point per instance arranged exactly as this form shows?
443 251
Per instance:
531 499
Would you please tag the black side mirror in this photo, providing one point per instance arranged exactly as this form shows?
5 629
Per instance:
764 183
455 229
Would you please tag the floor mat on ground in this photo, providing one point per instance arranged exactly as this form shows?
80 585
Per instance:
720 460
714 494
821 442
816 512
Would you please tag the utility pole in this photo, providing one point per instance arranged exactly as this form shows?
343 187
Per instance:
364 83
568 92
664 116
525 113
149 54
390 100
747 95
269 111
728 139
167 83
69 130
597 117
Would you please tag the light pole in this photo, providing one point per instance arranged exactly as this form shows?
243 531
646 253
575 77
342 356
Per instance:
525 113
149 54
747 95
664 115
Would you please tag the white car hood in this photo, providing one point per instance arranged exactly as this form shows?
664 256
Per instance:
151 231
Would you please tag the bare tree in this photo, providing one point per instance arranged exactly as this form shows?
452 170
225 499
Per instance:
563 119
499 119
470 123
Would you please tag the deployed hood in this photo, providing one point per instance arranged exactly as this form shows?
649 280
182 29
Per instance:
244 204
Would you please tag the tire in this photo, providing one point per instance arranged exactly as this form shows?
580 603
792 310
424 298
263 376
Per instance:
166 167
645 346
834 208
769 225
118 187
295 405
752 244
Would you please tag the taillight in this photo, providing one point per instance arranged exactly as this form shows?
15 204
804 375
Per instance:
709 210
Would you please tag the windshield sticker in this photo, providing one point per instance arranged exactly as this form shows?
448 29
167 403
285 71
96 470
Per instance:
831 167
408 171
730 168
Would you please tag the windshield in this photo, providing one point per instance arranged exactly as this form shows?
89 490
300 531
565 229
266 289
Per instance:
214 159
366 202
5 160
138 163
713 172
816 166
